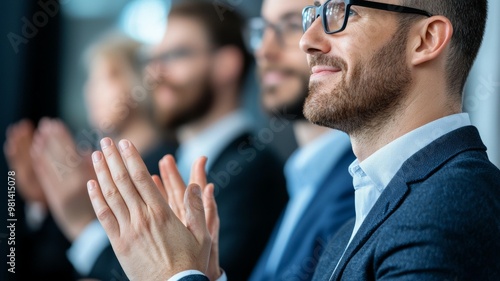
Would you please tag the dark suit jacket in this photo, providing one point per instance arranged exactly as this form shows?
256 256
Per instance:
250 194
438 219
331 207
41 253
194 278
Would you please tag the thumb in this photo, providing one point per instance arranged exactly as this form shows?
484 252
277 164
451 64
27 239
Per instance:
195 213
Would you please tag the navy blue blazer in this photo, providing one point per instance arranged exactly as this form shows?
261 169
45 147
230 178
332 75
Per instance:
193 277
332 207
438 219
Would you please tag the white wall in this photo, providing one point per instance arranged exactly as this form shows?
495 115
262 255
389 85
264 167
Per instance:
482 93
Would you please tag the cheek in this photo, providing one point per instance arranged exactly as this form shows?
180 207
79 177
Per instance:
295 60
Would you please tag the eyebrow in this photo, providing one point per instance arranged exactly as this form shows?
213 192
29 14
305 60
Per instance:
291 15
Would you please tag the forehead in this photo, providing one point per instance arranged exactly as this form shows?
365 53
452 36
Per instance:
274 10
321 2
183 32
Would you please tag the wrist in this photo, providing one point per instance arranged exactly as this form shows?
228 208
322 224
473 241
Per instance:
75 229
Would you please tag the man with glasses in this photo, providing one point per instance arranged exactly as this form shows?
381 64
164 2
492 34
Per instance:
318 181
427 198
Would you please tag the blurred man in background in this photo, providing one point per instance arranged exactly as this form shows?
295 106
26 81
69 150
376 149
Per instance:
318 180
199 69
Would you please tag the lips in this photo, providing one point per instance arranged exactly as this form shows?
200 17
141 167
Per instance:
274 77
321 71
165 95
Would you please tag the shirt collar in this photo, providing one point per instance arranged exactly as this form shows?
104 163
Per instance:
383 165
308 166
214 139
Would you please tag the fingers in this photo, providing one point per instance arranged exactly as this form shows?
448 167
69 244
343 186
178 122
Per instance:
174 185
195 213
18 140
139 174
103 212
120 178
198 174
110 192
160 187
211 215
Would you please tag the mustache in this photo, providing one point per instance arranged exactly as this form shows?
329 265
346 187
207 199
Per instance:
315 60
161 82
285 70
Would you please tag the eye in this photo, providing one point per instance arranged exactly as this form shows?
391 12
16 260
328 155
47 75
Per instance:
352 12
292 27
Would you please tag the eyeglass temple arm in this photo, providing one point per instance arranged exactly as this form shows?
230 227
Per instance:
389 7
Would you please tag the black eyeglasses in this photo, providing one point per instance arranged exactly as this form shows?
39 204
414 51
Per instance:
176 55
287 32
336 13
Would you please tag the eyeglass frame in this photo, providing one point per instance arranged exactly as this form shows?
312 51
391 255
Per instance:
321 12
168 57
275 27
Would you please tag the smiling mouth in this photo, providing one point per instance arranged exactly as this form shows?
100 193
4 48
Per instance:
274 77
321 71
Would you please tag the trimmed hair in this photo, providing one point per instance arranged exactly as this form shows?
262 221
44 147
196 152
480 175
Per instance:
223 24
469 21
115 45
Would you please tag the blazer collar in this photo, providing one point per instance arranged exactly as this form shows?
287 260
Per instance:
417 168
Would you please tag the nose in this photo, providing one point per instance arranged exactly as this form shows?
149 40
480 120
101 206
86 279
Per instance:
315 40
153 70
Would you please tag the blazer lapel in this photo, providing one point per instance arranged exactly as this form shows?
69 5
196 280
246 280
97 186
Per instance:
417 168
388 202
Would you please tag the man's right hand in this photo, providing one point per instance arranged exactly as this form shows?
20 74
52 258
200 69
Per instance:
63 173
148 239
173 190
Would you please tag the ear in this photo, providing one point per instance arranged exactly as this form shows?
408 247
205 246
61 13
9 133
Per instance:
432 40
227 66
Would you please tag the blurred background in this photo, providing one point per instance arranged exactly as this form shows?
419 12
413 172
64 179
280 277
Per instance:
42 71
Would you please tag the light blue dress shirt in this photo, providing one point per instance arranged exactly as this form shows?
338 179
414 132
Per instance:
305 171
372 176
87 247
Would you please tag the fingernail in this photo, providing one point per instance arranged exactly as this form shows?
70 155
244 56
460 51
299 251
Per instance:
105 142
124 144
90 185
96 156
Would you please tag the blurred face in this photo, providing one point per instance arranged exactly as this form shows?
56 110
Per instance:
283 70
108 91
360 76
181 69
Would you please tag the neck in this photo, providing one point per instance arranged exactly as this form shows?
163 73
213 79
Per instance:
140 132
306 132
419 109
223 106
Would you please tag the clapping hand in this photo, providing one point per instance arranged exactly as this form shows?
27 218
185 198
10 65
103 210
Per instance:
148 238
173 190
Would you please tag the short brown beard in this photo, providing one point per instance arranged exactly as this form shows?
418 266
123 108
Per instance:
181 116
372 96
